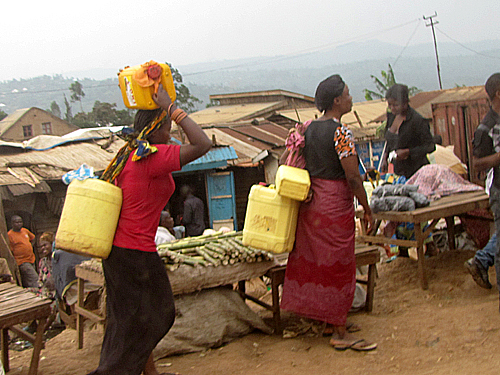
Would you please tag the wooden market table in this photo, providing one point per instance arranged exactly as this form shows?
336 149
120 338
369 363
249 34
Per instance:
18 305
446 207
365 256
184 280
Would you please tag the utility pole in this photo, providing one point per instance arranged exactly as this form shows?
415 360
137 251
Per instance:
432 23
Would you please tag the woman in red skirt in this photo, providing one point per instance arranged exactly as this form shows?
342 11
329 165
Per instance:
321 272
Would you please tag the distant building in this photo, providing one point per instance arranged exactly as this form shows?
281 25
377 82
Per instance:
27 123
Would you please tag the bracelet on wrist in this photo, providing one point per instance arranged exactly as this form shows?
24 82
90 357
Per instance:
178 115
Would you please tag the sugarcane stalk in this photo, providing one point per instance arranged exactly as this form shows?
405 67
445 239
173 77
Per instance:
207 257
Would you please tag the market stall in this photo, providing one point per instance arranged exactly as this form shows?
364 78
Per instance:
447 207
193 264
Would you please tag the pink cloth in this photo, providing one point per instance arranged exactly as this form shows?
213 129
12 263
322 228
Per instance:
295 143
320 277
436 181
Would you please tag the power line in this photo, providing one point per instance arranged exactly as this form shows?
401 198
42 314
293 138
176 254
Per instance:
467 48
52 90
408 42
303 52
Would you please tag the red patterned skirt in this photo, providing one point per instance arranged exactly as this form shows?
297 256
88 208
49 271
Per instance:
320 277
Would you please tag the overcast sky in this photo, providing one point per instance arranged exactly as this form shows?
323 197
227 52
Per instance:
58 37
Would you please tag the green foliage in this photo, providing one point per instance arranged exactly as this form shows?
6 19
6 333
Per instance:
68 115
184 100
103 114
54 109
388 80
83 120
125 117
3 115
77 93
213 103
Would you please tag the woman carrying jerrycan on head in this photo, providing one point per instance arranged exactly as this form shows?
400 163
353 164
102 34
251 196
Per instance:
140 303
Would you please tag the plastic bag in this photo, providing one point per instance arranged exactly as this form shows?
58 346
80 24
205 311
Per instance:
81 173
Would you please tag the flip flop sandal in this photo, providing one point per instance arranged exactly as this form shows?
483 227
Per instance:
363 346
350 328
360 345
342 345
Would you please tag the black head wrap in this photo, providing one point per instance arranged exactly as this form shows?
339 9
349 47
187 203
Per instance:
327 91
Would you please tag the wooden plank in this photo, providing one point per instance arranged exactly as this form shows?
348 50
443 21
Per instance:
89 314
386 240
89 275
452 205
25 316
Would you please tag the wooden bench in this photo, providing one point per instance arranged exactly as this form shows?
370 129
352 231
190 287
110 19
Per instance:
17 305
366 255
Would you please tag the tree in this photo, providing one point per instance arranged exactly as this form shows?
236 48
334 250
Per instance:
54 109
389 79
83 120
77 93
2 115
104 114
184 100
68 116
125 117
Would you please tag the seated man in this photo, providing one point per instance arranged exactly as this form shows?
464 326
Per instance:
21 245
165 232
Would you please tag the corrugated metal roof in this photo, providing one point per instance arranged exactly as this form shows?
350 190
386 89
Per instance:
54 163
220 153
253 94
423 101
31 167
249 138
22 189
367 111
230 113
11 119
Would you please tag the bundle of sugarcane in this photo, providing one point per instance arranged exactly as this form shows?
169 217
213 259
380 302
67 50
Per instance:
210 250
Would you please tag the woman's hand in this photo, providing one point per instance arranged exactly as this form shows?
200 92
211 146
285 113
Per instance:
384 167
161 98
403 153
368 221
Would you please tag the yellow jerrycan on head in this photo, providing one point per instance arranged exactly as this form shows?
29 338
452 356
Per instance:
89 218
138 84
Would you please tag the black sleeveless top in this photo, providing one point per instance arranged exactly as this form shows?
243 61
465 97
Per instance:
322 160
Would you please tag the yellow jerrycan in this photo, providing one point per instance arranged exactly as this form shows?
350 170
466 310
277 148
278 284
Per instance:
89 218
138 84
270 220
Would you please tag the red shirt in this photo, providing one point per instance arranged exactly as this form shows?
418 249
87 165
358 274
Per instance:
147 185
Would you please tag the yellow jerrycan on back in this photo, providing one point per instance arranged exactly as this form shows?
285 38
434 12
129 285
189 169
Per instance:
89 218
138 84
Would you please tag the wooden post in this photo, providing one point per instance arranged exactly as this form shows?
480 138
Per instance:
5 247
419 236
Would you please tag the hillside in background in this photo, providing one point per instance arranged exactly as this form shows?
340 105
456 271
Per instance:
301 73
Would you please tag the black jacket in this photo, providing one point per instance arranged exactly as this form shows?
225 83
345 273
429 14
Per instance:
415 135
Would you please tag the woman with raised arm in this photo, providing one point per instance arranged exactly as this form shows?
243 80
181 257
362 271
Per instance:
140 304
320 275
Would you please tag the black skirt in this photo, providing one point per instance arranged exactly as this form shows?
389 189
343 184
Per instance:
140 310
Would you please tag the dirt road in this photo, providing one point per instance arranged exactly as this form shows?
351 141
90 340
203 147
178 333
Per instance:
452 328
